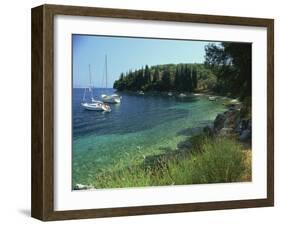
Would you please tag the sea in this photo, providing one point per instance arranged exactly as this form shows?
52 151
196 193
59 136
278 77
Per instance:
140 126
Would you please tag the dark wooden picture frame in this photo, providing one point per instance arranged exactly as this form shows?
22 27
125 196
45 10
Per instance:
42 203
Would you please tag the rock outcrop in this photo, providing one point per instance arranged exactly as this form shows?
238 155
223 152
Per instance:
82 187
230 123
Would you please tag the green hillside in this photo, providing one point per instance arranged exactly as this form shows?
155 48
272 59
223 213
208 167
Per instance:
168 77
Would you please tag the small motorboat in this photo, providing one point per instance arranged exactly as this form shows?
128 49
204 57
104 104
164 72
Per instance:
212 98
182 95
141 92
170 94
234 101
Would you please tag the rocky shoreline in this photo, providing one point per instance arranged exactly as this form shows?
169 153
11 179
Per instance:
232 123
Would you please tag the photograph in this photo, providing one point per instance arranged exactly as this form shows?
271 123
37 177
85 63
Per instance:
160 112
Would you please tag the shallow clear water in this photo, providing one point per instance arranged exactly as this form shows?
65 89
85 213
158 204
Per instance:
141 125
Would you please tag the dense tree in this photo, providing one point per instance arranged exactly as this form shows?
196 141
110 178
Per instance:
232 65
177 77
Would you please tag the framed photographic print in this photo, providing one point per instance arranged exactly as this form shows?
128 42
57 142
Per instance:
141 112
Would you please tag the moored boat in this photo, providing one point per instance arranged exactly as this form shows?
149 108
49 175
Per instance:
182 95
110 99
234 101
93 105
212 98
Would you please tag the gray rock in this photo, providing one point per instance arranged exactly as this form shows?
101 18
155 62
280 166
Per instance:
155 160
250 124
207 130
244 124
230 123
245 135
238 128
82 187
219 122
229 119
232 119
184 144
226 132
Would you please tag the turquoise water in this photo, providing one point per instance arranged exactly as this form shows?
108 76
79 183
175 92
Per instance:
140 126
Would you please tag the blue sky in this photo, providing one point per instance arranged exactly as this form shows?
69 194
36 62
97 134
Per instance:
124 54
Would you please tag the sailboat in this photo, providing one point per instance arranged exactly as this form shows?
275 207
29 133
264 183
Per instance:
94 105
114 98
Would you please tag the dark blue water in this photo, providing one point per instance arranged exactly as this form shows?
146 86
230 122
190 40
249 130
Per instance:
136 112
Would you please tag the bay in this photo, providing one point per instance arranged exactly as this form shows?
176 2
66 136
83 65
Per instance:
140 126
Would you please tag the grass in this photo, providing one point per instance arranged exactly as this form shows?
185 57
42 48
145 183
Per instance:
211 160
222 160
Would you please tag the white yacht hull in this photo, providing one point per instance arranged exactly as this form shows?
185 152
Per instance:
96 107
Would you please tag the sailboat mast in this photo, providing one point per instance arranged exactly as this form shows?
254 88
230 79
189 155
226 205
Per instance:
90 76
105 71
84 96
90 79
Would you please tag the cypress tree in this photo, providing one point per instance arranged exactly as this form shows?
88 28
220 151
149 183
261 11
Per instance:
155 76
166 80
147 77
177 78
194 80
182 78
188 79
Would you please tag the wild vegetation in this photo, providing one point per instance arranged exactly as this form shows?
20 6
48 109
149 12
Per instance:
209 161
